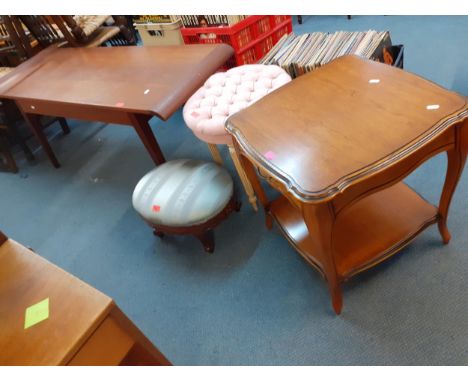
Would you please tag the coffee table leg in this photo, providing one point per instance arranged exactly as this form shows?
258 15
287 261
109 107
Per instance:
33 121
319 219
143 129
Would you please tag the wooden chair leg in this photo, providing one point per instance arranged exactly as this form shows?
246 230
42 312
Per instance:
215 154
10 161
244 179
18 139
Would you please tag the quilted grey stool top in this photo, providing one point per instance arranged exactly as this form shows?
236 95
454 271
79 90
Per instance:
183 193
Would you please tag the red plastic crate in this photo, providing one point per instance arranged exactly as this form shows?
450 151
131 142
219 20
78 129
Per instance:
251 38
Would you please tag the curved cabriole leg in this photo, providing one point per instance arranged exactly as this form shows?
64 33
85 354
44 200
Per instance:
319 219
456 158
207 239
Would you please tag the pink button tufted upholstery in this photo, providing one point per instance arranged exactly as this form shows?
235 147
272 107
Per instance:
226 93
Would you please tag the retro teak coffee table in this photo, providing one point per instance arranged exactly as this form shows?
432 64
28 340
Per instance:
337 144
122 85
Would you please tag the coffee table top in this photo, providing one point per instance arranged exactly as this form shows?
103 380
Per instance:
75 309
148 80
341 123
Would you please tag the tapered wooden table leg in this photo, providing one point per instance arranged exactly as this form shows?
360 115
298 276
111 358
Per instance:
244 179
64 125
215 154
251 174
319 219
143 129
33 121
456 159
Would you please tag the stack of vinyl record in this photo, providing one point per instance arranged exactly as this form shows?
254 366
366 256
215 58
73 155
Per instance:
299 54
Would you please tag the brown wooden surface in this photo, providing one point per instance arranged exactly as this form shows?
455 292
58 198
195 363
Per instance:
84 326
342 128
75 309
124 85
339 149
364 233
104 78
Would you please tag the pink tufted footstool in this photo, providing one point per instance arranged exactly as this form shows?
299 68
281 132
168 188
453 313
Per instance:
224 94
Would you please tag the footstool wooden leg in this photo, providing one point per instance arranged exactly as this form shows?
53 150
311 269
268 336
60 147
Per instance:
243 177
215 154
157 233
207 239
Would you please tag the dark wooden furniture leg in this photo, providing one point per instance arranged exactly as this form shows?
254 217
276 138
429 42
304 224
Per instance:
207 239
18 139
456 159
11 117
33 121
64 125
143 129
10 161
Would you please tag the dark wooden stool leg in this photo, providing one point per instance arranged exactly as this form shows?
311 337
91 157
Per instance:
207 239
158 233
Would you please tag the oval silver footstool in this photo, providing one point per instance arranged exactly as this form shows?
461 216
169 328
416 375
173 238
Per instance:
186 196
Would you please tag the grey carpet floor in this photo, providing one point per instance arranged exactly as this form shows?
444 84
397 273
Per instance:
254 301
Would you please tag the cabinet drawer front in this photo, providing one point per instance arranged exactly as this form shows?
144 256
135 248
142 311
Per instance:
107 346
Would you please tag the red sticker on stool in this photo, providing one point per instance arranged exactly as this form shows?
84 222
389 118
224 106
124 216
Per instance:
270 155
120 104
156 208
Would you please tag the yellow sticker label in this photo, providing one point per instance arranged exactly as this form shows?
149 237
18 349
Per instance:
36 313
